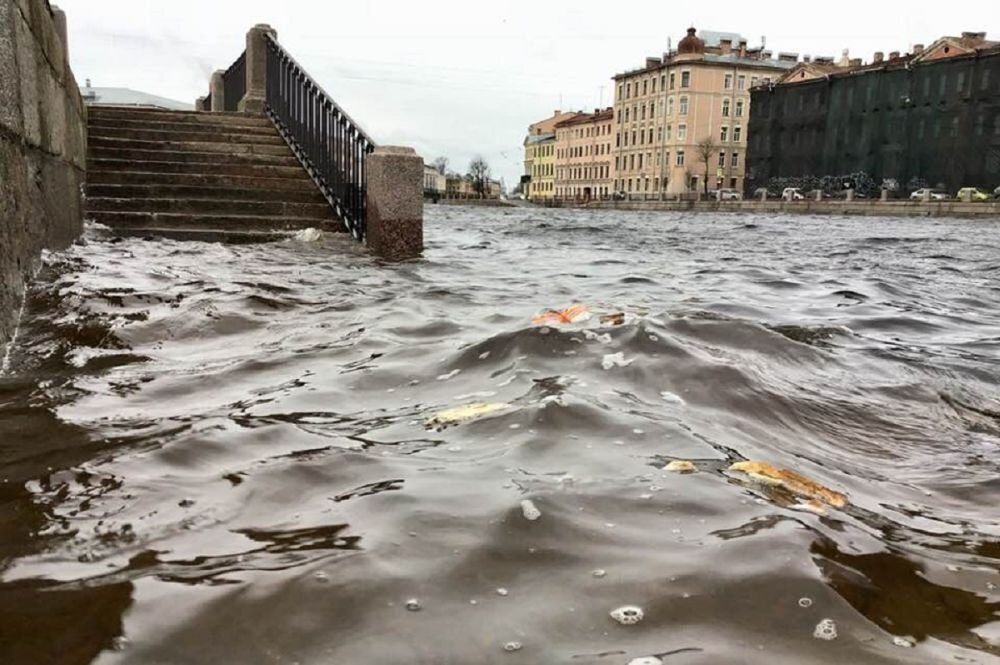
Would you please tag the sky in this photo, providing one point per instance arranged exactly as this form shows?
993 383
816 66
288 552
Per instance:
460 79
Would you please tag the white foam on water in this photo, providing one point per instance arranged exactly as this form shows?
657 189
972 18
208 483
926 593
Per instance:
805 602
309 235
511 647
530 510
826 630
613 360
646 660
450 375
628 615
902 642
413 605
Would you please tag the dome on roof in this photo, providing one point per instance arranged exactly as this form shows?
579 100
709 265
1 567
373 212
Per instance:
691 44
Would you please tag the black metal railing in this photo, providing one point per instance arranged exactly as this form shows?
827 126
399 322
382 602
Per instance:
234 83
207 104
331 146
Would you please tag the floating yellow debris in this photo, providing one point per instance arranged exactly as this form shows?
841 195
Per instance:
796 483
463 413
681 466
574 314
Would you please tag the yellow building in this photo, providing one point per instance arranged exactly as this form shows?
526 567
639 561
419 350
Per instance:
539 180
682 119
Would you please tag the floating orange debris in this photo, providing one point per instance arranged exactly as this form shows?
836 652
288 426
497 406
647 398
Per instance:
768 474
574 314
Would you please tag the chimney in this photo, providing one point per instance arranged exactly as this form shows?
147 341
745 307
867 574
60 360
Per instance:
766 55
652 62
743 48
879 57
894 55
807 58
726 45
918 49
973 37
788 57
855 62
87 82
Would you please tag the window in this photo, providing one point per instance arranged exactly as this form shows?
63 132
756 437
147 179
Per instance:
670 132
682 132
741 83
927 87
621 90
684 106
628 91
663 81
725 108
653 85
737 134
640 160
633 137
618 140
729 82
984 82
652 108
666 160
754 80
921 128
954 127
680 158
686 79
960 83
672 80
943 85
631 162
980 124
670 106
734 160
650 134
739 108
722 160
626 114
724 134
643 111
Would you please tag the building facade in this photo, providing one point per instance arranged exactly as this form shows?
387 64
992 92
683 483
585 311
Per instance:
927 118
583 156
539 180
435 183
681 121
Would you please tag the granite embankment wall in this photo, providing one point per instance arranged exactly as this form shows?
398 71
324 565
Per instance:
42 146
869 208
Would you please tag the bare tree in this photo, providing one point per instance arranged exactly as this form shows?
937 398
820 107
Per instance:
479 175
441 165
706 151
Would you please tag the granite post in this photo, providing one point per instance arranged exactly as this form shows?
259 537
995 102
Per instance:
850 195
885 195
254 99
217 89
395 203
763 195
819 195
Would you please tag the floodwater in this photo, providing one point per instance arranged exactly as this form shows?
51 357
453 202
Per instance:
219 454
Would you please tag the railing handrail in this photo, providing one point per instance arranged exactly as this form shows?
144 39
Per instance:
241 59
234 83
326 96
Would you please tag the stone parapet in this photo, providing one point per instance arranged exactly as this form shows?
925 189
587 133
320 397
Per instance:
42 145
395 203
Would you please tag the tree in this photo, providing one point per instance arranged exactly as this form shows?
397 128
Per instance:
441 165
479 175
706 151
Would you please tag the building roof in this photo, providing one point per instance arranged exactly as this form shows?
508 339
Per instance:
713 38
534 139
129 97
588 118
735 59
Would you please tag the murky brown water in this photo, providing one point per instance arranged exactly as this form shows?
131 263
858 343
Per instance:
217 454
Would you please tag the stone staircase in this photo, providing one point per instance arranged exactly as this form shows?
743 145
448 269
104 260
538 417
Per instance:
195 174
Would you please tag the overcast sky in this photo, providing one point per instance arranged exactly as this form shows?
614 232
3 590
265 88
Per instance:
461 78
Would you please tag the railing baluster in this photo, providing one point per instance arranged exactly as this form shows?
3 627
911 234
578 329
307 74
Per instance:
324 138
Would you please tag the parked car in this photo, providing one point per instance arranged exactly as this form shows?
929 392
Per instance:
730 195
974 193
996 193
923 193
792 194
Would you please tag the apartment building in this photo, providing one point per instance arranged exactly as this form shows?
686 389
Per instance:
583 156
539 179
930 117
680 122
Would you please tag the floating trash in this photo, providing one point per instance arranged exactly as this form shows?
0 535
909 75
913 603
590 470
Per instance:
120 643
646 660
599 573
413 605
613 360
805 602
902 642
627 615
573 314
616 319
796 483
510 647
530 510
322 577
681 466
502 592
463 413
826 630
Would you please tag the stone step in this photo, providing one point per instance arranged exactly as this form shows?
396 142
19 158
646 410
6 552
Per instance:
111 177
227 135
115 113
260 171
99 152
99 142
109 126
221 192
229 223
274 208
209 235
